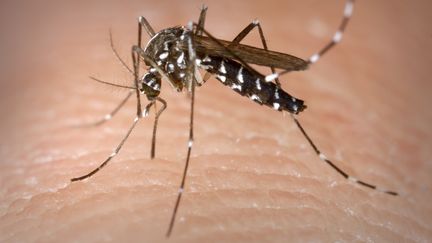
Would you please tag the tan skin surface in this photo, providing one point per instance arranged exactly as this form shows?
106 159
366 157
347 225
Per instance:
253 177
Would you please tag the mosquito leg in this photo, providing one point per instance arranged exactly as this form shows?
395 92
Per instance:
135 59
142 22
190 74
329 162
141 54
246 31
235 56
139 115
112 155
337 37
153 143
201 21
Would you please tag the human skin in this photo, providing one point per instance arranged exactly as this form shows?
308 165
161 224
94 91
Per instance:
252 177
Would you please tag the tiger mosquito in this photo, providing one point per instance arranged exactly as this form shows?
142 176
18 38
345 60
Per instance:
176 53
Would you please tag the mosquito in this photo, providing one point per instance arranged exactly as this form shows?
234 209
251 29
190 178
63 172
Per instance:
177 53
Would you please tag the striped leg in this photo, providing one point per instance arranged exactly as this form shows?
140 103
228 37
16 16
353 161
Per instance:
191 72
337 37
329 162
116 151
201 20
111 156
246 31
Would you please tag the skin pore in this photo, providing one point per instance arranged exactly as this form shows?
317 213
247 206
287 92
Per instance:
252 176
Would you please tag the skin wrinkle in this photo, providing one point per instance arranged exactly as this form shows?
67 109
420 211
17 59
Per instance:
252 176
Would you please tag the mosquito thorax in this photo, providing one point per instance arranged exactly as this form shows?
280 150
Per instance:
164 49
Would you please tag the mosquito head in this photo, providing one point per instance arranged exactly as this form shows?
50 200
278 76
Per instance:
151 84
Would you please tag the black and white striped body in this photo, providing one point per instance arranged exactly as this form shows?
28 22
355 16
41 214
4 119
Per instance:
173 61
251 84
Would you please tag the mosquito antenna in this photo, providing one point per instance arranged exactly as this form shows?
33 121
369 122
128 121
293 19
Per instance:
117 54
112 84
110 115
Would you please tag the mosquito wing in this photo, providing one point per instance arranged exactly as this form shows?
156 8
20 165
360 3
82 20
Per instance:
249 54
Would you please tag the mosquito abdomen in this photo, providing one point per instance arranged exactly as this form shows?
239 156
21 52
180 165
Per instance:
251 84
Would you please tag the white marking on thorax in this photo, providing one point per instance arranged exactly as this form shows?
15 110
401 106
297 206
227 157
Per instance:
170 67
163 55
180 59
165 46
